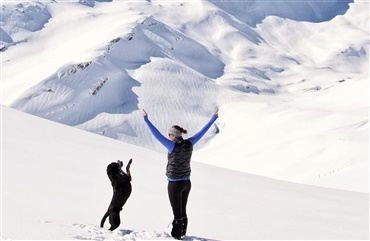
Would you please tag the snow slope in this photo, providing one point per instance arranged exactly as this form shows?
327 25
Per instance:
290 78
54 187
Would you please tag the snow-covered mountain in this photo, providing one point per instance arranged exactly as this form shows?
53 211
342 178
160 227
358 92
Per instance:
290 79
297 72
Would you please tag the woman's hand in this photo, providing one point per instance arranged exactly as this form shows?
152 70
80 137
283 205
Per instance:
144 113
216 112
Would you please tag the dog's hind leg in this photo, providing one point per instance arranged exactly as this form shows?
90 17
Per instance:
114 220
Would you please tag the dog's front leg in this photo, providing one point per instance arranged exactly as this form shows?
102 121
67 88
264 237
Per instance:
128 169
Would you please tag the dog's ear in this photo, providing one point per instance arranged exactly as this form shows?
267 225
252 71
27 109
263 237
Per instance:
119 164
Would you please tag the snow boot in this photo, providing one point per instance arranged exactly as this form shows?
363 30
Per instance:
184 225
177 226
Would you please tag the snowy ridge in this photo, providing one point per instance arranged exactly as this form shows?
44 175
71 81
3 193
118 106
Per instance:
20 20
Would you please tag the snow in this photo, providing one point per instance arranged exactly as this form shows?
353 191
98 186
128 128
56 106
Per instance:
288 158
54 186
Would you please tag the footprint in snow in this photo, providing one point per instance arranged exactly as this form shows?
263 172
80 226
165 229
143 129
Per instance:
92 232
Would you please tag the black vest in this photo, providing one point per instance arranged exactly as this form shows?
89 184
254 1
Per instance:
178 165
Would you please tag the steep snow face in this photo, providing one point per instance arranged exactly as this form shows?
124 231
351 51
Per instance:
281 74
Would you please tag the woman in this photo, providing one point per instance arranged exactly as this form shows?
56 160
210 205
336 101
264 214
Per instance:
178 169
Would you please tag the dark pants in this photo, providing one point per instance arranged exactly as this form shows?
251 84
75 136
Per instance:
178 192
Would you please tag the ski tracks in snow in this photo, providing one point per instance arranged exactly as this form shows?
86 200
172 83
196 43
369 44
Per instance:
93 232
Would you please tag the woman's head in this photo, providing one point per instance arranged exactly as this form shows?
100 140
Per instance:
175 132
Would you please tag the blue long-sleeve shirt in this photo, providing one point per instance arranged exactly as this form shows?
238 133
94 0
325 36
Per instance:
171 144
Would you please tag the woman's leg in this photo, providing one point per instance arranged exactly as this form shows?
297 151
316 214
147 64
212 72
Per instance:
175 196
185 196
178 193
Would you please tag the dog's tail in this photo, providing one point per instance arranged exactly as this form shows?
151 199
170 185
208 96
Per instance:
104 218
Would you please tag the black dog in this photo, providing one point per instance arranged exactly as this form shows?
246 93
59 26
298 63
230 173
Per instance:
121 192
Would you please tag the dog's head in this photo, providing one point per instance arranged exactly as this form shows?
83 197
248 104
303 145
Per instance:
114 168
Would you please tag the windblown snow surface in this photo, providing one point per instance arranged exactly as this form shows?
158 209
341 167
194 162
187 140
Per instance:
288 157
